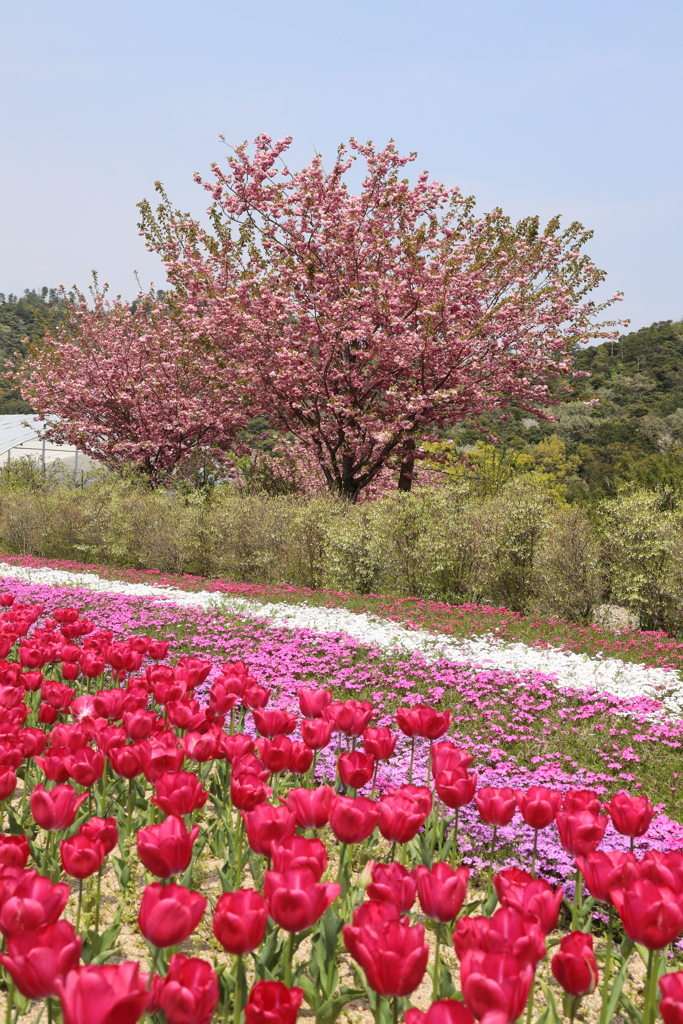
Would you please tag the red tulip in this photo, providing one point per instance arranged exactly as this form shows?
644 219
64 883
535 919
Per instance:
271 1002
311 806
187 714
139 724
380 742
301 758
507 931
353 819
448 756
422 720
92 664
495 983
85 766
30 901
237 746
671 1006
239 921
392 954
604 870
403 812
255 697
55 764
443 1011
350 716
581 832
663 869
169 913
159 755
247 791
299 852
441 890
166 849
249 764
57 695
109 704
37 959
47 715
575 966
157 649
221 699
81 856
56 810
14 851
393 883
316 732
496 806
356 768
651 914
276 754
8 783
530 896
275 722
455 788
538 805
103 995
631 815
313 702
179 793
581 800
199 746
296 900
126 761
267 824
188 994
32 741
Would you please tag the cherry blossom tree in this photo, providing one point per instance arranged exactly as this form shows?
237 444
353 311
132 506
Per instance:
361 322
128 387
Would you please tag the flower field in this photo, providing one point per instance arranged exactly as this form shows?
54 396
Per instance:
221 806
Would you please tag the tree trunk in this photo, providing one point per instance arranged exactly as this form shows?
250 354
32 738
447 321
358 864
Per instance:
405 477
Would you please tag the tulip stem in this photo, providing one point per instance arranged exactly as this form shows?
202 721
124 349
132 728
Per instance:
412 760
374 780
238 844
533 854
80 901
98 896
651 986
493 860
437 950
578 902
10 1000
454 848
395 1007
289 958
608 966
342 857
237 1008
129 817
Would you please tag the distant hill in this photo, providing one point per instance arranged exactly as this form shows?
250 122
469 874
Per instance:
23 316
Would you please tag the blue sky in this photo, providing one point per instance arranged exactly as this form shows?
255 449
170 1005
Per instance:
540 107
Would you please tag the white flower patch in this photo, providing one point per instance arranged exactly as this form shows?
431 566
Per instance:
579 671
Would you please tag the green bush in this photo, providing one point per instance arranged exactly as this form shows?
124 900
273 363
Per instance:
521 547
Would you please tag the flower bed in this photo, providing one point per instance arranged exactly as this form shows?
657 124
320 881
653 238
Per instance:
152 754
648 648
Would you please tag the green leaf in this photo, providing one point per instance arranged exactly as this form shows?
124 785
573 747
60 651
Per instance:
553 1015
330 1010
615 991
632 1011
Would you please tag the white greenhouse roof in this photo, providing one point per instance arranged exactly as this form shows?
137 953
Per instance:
13 431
